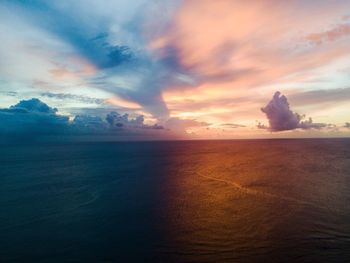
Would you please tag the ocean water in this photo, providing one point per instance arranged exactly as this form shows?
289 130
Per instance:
184 201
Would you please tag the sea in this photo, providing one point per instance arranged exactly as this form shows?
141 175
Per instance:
277 200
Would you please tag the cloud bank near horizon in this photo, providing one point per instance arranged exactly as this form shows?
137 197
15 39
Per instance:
32 118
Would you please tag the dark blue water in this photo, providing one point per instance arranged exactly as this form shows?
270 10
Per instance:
200 201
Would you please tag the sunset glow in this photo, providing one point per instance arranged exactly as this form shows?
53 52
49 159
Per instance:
213 62
175 131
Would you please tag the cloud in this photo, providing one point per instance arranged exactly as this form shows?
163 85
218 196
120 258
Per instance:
9 93
347 125
282 118
117 120
141 51
89 124
181 125
114 47
228 62
33 105
333 34
261 126
321 97
81 98
233 125
114 124
33 118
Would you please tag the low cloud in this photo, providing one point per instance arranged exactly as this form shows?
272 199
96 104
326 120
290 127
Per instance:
89 124
116 120
67 96
261 126
34 106
282 118
33 118
233 125
347 125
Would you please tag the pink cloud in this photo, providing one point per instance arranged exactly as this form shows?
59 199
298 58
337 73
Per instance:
333 34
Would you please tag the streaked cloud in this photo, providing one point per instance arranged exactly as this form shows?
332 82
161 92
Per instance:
65 96
321 97
233 125
342 30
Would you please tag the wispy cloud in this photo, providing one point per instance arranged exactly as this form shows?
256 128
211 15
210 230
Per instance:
340 31
113 44
65 96
321 97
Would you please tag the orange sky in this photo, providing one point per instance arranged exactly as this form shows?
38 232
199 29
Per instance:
244 51
209 65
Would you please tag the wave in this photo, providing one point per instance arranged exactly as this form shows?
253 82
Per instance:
255 192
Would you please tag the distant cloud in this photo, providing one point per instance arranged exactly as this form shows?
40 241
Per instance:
34 118
30 117
116 120
261 126
308 124
282 118
9 93
34 105
321 96
89 124
233 125
333 34
347 125
181 125
65 96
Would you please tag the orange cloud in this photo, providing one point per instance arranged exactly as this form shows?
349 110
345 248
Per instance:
333 34
233 47
117 101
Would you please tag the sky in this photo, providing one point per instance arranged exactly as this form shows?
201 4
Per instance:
153 69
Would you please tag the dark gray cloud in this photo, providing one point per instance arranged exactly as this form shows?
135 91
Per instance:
282 118
33 106
117 120
33 118
89 124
